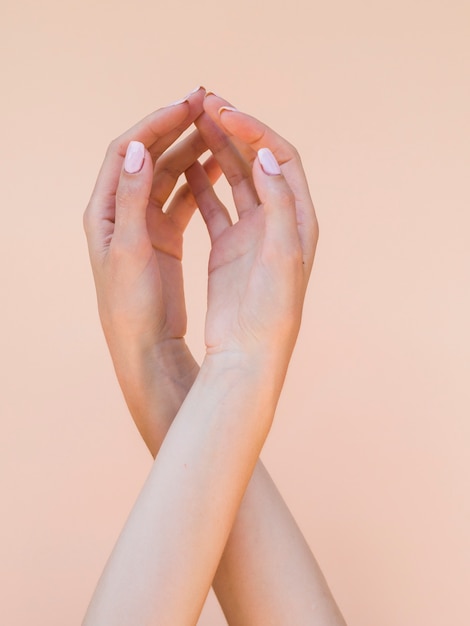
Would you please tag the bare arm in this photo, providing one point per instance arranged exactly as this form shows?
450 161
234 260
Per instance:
267 573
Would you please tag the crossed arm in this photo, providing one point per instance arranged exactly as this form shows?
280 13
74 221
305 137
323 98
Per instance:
208 510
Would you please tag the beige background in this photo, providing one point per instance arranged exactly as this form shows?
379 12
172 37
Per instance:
370 446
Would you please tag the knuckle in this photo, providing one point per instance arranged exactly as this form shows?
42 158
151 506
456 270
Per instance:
87 221
295 155
211 211
185 195
114 146
237 177
167 169
316 229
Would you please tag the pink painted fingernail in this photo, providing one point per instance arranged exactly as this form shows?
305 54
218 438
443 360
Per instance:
268 162
134 157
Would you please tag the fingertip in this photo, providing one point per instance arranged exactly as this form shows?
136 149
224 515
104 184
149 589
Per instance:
210 95
187 96
213 103
227 108
225 114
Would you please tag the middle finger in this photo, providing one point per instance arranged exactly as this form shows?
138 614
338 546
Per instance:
235 167
172 164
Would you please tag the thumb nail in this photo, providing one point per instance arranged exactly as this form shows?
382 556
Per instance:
134 157
268 162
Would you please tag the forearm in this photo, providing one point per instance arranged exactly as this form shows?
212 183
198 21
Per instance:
154 381
267 573
169 550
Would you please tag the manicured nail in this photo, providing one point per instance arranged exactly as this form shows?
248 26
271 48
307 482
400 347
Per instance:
268 162
212 93
186 98
134 157
222 109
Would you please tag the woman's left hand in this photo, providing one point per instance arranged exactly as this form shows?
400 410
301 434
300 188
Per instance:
135 247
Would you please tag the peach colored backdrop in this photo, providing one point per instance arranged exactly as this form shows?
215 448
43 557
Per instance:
370 446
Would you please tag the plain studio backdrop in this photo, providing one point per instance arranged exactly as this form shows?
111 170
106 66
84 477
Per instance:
370 443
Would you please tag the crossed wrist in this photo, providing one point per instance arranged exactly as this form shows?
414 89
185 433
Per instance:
259 372
143 367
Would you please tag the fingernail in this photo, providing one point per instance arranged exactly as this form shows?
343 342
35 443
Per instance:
222 109
134 157
186 98
212 93
268 162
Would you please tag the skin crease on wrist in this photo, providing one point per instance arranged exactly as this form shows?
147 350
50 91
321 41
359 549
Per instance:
208 426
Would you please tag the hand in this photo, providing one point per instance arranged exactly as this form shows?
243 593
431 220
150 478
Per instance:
135 247
135 250
259 266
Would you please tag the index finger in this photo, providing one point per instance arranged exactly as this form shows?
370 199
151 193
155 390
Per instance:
237 170
257 135
248 129
156 131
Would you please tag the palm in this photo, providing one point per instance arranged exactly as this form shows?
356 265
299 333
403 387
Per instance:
239 284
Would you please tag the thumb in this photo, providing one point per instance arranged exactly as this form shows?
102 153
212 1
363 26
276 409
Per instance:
277 199
132 194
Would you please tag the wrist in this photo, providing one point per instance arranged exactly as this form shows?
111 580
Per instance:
235 393
170 359
261 361
154 379
258 373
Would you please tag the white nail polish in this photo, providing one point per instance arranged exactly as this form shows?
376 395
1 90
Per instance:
186 98
173 104
195 90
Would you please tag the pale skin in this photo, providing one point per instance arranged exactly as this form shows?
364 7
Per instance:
208 512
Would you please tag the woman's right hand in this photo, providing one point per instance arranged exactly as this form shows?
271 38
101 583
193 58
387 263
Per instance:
259 266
